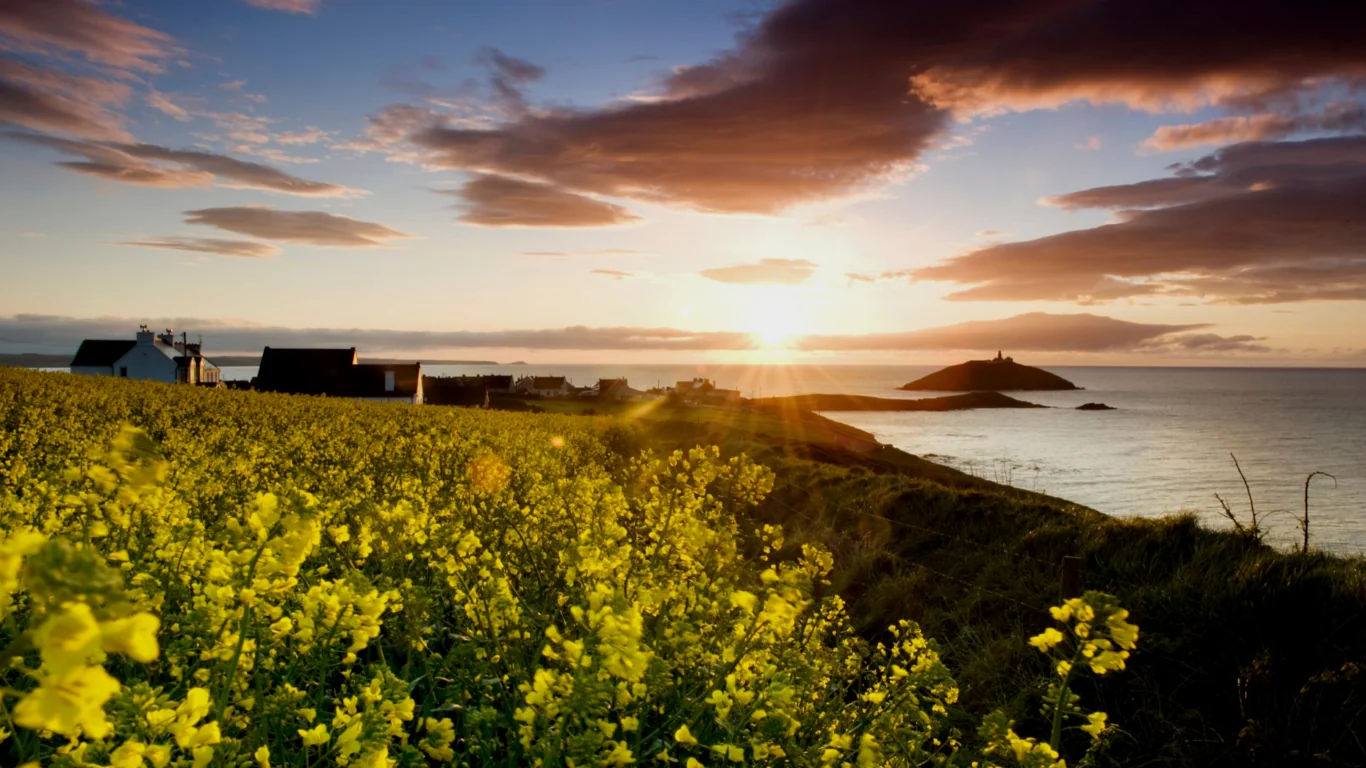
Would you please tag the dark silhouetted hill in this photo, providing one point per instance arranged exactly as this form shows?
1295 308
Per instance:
989 375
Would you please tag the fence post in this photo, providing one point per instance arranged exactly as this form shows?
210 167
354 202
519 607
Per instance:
1071 578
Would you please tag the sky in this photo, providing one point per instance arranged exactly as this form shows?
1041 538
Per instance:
812 181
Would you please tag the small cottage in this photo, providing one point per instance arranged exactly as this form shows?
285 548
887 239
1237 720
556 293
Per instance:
148 356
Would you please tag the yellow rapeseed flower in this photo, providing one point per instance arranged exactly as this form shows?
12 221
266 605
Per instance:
684 736
66 702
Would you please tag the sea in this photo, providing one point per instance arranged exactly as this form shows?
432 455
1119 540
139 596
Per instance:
1169 446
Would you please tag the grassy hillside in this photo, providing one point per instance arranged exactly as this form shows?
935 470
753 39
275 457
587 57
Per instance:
1251 656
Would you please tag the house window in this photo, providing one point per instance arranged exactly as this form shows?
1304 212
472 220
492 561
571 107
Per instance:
388 381
123 371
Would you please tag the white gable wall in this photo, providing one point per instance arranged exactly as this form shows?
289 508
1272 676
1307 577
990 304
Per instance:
147 361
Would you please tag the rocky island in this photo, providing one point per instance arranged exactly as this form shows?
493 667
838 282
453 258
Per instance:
1000 374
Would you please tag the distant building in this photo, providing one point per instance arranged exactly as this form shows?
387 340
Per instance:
149 356
618 390
338 373
462 391
544 386
999 359
705 392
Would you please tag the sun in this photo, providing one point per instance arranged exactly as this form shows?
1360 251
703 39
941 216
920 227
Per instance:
775 316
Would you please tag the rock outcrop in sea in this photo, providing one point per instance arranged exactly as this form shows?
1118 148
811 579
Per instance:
1000 374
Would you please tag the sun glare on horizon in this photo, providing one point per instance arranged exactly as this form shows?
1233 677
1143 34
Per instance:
774 317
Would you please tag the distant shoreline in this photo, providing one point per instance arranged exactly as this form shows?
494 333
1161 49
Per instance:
35 360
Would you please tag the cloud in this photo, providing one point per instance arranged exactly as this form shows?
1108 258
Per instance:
1157 55
51 101
776 122
222 247
1033 332
1092 143
499 201
238 87
614 273
601 252
1260 222
765 272
305 227
162 103
57 27
1205 342
509 76
288 6
1337 117
825 99
310 135
151 165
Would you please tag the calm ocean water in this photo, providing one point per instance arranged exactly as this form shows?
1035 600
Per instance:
1165 450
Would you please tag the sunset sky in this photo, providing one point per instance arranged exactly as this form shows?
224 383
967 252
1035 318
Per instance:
1145 183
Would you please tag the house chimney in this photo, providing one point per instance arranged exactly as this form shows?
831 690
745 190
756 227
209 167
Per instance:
145 336
167 337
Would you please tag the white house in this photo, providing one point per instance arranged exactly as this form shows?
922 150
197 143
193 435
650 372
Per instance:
149 356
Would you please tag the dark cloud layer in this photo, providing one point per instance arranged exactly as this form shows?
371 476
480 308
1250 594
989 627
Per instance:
1252 223
1032 332
1155 54
1035 332
304 227
764 272
825 98
214 245
154 166
498 201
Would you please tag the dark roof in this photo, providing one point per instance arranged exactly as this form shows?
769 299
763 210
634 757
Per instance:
604 385
306 371
547 382
102 352
498 382
367 379
445 390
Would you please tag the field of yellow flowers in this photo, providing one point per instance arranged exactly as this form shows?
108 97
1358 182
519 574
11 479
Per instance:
212 578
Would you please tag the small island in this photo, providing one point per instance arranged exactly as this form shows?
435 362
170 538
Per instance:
1095 407
965 402
1000 374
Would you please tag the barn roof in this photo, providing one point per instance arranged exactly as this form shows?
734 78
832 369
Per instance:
306 371
101 352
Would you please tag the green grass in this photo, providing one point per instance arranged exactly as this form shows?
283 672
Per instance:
1248 655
